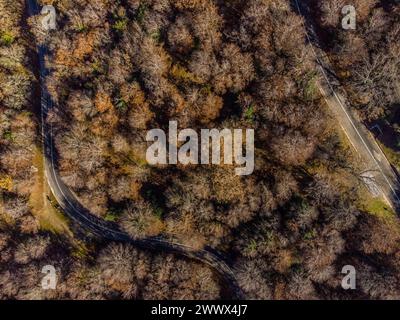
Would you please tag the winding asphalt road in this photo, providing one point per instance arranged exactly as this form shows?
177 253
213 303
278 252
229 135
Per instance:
99 227
379 176
375 161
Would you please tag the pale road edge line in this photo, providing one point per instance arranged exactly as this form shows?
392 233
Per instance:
344 109
211 256
358 133
354 147
112 230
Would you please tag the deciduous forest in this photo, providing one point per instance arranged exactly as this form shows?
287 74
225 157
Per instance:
122 67
367 63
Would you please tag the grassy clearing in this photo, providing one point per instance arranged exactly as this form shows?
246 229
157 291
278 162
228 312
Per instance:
311 88
366 203
44 207
341 174
379 208
42 203
393 156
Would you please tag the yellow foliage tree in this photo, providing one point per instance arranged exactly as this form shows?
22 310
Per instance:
6 183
